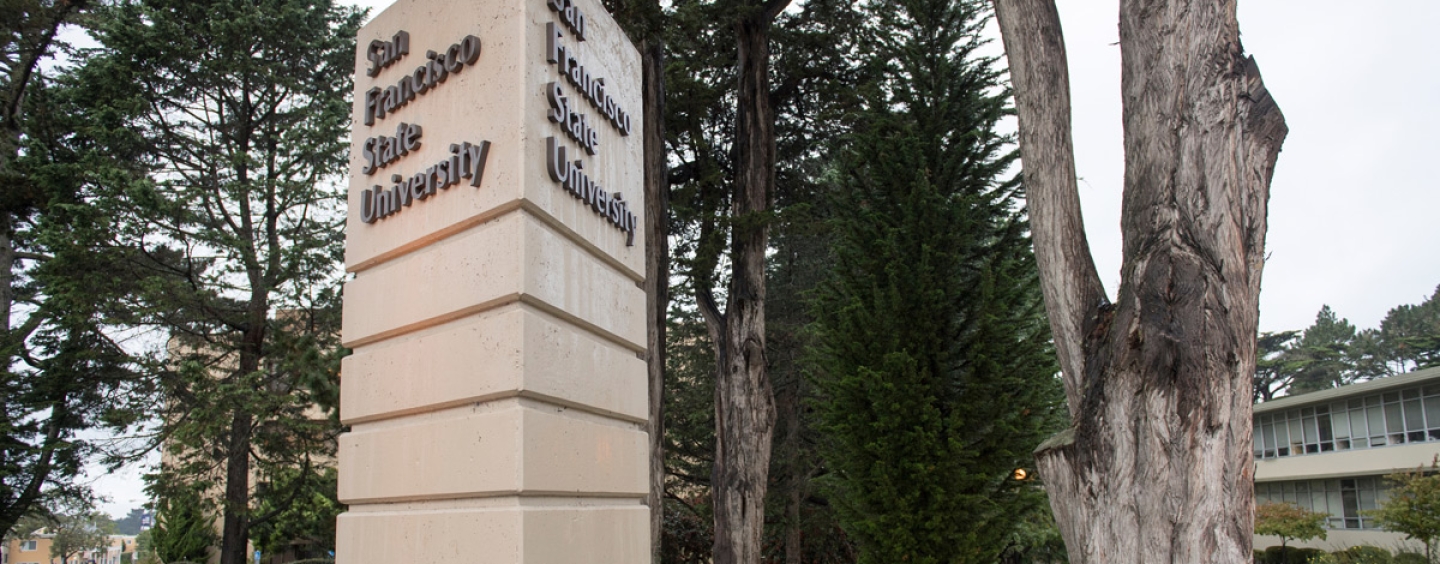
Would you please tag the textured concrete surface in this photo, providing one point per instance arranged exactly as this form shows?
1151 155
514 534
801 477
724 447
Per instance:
496 394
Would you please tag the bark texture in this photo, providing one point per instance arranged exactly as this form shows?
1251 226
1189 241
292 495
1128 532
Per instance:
657 274
744 401
1157 466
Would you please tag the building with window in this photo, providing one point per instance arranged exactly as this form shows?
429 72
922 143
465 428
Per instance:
35 549
1329 451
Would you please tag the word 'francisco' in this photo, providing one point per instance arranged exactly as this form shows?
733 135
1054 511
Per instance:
593 88
466 161
571 175
426 77
380 151
384 53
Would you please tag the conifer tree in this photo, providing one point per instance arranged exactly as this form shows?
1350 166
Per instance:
61 369
1408 339
242 106
1322 358
933 363
184 530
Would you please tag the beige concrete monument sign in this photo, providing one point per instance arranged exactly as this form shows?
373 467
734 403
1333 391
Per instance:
497 392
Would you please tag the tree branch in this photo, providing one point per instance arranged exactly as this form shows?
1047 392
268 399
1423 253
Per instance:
714 320
1073 292
32 60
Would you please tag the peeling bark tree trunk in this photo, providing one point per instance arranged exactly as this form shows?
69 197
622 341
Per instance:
1158 465
744 401
657 275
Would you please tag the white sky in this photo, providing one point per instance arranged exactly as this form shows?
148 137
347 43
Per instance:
1354 214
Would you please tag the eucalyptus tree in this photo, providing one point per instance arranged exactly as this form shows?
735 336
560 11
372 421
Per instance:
1157 465
242 107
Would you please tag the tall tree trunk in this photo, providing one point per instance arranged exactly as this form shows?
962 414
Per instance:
235 526
1157 466
657 273
235 532
744 401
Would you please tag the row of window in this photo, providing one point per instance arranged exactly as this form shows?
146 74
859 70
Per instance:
1344 499
1388 418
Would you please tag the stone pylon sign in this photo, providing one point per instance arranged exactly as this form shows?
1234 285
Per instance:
497 392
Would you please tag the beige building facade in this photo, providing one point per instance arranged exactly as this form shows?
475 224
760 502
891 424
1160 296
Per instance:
35 549
497 393
1328 451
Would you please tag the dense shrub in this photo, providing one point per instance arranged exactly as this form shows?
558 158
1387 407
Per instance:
1357 555
1409 558
1288 555
1363 555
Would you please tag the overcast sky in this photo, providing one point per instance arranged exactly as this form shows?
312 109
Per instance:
1353 212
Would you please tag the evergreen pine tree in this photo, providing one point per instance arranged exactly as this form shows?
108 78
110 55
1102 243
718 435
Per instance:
1408 339
184 531
1323 357
61 369
933 362
242 106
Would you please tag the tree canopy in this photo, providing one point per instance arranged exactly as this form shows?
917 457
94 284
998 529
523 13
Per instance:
1289 522
62 368
1413 507
1332 352
236 229
934 372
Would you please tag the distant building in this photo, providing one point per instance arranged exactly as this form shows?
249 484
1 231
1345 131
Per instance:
1328 451
35 549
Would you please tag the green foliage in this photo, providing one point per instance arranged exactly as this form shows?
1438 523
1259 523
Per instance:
932 351
130 523
1413 508
1407 339
1332 352
303 502
145 547
1289 522
1411 558
689 403
184 529
237 231
1274 371
1362 554
26 526
1321 359
1036 540
1289 555
61 371
144 542
687 535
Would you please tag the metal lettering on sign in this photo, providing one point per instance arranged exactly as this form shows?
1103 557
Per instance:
381 102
